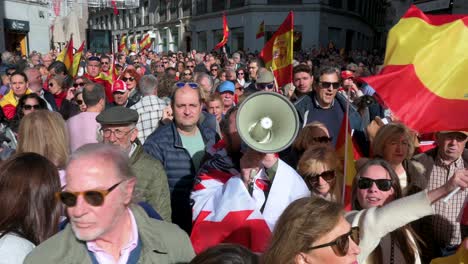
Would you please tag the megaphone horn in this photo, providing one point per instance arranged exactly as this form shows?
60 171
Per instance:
267 122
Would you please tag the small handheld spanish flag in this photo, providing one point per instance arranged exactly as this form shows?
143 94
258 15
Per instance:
261 30
225 33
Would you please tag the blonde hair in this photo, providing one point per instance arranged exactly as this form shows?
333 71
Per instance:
302 223
45 133
314 159
304 139
389 132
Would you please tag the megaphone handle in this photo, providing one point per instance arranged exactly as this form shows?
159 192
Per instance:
253 173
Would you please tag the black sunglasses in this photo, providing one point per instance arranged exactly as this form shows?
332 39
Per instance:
336 85
79 102
78 84
187 73
341 244
263 86
128 79
51 84
93 197
105 62
323 139
190 66
29 107
382 184
327 176
191 84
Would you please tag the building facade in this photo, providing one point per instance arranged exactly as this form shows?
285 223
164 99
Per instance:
24 26
197 24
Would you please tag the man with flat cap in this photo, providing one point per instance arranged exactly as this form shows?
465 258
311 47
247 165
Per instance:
118 127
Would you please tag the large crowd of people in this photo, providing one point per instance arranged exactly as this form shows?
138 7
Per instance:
119 164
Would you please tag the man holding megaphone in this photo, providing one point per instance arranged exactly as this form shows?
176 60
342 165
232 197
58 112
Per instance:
241 191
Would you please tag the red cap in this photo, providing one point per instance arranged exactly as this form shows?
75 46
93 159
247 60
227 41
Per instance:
119 86
347 74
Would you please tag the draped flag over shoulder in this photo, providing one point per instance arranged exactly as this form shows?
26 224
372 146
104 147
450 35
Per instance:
261 30
278 52
145 42
225 33
66 56
76 60
423 80
348 153
123 44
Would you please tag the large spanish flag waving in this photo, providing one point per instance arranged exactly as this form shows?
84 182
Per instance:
66 56
76 60
424 76
145 42
225 33
278 52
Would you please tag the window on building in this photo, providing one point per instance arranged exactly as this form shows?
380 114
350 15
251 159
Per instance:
202 7
335 3
145 13
334 35
237 3
202 42
284 2
219 5
162 10
173 8
186 7
352 5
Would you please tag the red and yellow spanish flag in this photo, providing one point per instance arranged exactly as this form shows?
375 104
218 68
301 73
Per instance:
145 42
225 33
76 60
66 56
123 44
348 152
423 80
278 52
261 30
133 44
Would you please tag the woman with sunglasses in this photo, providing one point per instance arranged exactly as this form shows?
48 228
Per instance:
27 104
58 88
45 133
74 103
242 77
132 79
29 212
187 76
376 185
312 134
319 167
313 231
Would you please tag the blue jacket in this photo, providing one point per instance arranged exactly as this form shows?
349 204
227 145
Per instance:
165 145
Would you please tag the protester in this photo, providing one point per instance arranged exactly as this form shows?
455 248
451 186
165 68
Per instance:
320 168
118 127
180 146
18 88
121 94
226 91
35 85
226 254
27 104
131 78
104 225
215 106
29 212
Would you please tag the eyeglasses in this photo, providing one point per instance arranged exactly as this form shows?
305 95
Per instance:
263 86
78 84
327 85
92 197
104 62
29 107
159 66
214 69
117 133
323 139
187 73
240 73
191 84
341 244
165 62
79 102
383 184
327 176
125 79
51 84
190 66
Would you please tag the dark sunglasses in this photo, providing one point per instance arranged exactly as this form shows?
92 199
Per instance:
240 73
327 85
159 66
165 62
383 184
93 197
323 139
51 84
104 62
191 84
341 244
79 102
187 73
78 84
9 73
327 176
29 107
214 69
190 66
128 79
265 86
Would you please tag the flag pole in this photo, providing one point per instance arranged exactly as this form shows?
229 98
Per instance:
274 78
345 167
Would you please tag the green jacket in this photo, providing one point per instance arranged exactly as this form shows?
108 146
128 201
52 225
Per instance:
151 186
162 243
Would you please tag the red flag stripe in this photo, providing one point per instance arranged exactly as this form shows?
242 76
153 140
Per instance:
435 20
445 113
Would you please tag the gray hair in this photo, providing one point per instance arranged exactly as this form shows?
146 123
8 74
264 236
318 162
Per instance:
8 58
110 153
236 55
198 58
201 75
148 84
